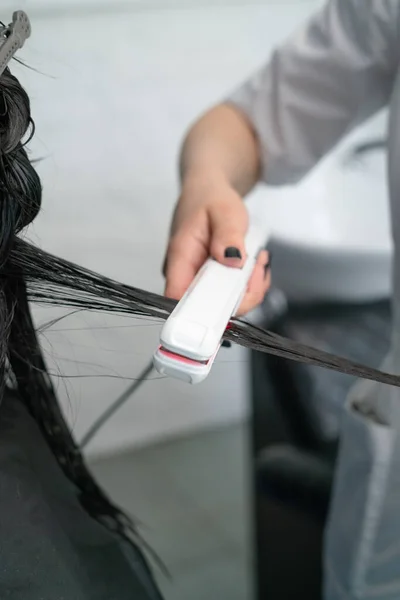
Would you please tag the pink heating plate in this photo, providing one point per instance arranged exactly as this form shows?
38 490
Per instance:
180 358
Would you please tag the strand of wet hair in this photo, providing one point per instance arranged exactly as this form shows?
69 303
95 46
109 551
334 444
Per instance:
55 281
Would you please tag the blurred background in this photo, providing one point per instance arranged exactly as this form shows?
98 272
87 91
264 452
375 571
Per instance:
114 85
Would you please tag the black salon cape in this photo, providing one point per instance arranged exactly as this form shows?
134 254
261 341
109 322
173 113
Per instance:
50 549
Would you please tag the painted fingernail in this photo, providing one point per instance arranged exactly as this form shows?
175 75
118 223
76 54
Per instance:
232 252
226 344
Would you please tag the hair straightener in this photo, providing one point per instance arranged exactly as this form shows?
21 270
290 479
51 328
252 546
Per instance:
192 335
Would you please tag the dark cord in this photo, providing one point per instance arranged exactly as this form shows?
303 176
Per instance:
116 405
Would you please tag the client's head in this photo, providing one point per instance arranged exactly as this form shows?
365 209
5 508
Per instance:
20 190
21 360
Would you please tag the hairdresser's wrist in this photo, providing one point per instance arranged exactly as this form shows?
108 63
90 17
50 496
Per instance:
204 187
200 179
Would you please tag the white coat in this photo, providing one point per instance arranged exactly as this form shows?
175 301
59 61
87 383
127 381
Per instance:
333 73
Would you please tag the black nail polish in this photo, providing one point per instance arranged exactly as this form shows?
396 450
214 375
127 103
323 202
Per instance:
232 252
226 344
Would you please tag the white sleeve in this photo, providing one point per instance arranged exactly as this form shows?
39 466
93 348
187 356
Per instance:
332 74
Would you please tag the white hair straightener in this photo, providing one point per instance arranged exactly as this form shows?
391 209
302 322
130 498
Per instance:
192 335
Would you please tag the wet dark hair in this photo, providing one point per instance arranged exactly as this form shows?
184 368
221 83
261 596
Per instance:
28 273
22 364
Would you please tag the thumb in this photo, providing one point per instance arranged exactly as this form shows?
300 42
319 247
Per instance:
185 256
229 223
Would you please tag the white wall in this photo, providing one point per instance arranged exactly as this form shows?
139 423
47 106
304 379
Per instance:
47 7
114 96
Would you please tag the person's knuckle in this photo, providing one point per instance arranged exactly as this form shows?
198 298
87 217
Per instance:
259 296
243 306
267 282
176 244
259 283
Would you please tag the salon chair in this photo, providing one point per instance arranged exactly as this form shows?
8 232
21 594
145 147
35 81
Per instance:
295 430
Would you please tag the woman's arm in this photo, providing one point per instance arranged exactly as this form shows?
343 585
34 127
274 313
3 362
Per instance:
222 145
332 74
